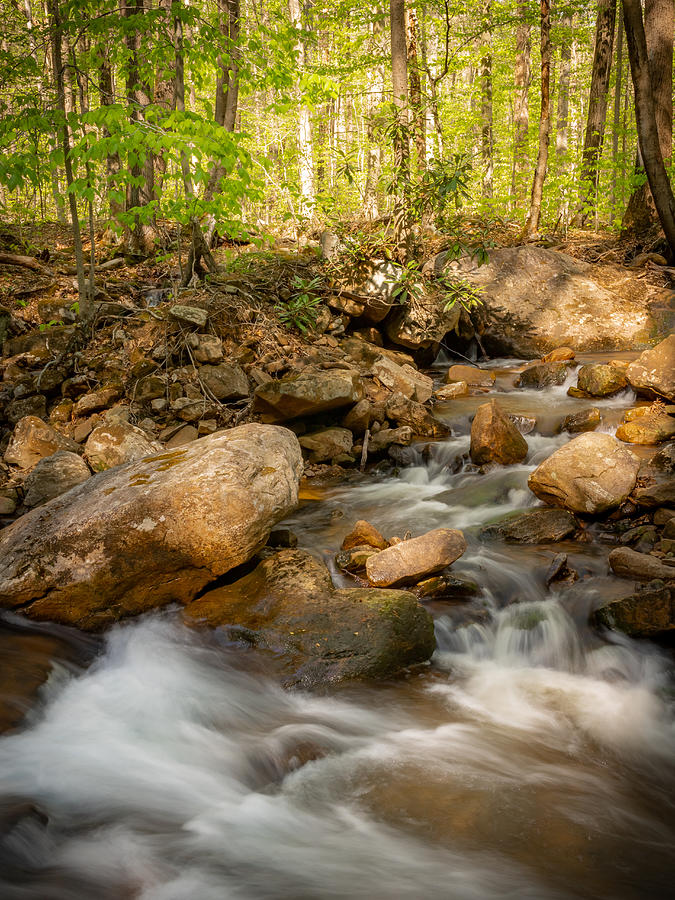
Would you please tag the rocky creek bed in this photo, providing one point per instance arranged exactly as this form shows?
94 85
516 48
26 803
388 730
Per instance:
530 756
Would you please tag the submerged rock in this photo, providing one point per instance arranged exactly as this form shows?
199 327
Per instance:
592 474
653 372
586 420
536 526
152 531
289 605
408 562
495 438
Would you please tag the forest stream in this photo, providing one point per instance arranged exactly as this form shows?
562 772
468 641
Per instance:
532 758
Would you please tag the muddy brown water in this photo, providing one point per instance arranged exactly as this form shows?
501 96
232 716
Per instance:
533 758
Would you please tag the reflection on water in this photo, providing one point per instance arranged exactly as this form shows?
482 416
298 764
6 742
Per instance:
531 759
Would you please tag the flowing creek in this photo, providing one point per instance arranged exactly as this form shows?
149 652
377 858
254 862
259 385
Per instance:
532 758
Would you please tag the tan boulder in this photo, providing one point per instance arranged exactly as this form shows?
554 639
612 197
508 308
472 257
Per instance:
539 375
394 377
472 375
452 391
592 474
404 412
495 438
363 533
224 382
653 372
307 394
53 476
150 532
410 561
560 354
32 440
629 563
585 420
648 429
327 444
388 437
113 445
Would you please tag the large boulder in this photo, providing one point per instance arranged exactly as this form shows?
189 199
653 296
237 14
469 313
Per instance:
535 526
536 299
653 372
592 474
542 374
597 380
307 394
152 531
289 605
53 476
32 440
408 562
118 443
470 375
495 438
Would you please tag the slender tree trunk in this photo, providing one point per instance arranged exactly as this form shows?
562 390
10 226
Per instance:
399 80
487 132
641 212
616 124
305 143
521 116
416 104
646 116
597 108
374 158
563 111
532 224
107 98
165 90
57 62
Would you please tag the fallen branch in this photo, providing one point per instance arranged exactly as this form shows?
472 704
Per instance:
26 262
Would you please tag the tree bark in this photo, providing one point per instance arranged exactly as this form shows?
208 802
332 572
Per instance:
616 124
399 81
641 212
487 132
107 98
532 224
57 62
305 143
597 109
416 105
374 158
521 117
646 116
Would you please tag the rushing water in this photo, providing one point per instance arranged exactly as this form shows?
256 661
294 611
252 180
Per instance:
531 759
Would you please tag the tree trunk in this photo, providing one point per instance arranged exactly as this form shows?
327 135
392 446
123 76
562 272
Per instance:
165 91
107 98
641 212
487 133
57 62
563 111
616 124
416 104
597 109
374 158
305 144
646 116
532 224
141 237
521 117
399 81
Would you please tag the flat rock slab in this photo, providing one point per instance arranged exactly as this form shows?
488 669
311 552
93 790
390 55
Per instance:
629 563
152 531
410 561
288 604
537 526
